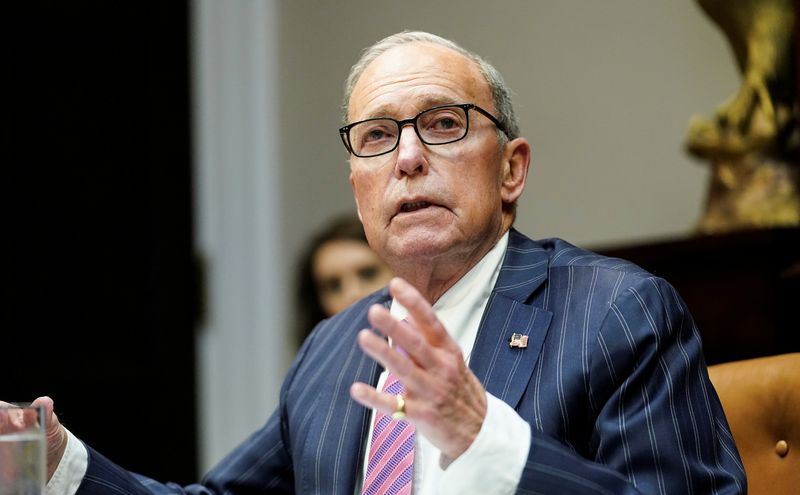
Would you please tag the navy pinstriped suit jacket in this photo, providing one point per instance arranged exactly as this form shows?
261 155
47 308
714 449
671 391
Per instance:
613 383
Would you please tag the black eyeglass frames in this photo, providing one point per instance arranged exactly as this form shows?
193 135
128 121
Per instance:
438 125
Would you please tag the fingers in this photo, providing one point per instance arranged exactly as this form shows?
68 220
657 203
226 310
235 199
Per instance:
416 382
421 313
369 397
50 418
422 348
426 330
14 418
11 419
378 349
405 335
442 397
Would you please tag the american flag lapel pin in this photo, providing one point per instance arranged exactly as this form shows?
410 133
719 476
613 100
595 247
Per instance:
518 340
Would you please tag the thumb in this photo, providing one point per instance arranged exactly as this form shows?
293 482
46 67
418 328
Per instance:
55 433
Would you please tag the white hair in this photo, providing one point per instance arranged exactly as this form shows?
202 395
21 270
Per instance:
500 92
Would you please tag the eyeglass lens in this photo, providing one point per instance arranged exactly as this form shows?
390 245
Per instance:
434 126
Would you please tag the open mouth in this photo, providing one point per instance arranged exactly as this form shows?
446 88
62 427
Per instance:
416 205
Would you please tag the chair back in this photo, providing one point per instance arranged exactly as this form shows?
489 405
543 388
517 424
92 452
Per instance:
761 399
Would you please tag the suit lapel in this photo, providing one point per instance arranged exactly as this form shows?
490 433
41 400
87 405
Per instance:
334 436
505 370
368 371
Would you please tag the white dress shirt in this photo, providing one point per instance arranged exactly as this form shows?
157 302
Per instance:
494 461
71 469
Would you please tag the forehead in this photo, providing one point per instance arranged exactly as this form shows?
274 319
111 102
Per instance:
412 77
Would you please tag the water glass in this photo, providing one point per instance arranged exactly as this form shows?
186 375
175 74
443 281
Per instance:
22 449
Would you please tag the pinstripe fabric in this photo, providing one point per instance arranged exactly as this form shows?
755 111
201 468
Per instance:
612 382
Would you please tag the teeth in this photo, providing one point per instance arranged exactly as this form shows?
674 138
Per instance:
414 206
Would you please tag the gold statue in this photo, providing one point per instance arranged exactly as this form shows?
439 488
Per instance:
753 143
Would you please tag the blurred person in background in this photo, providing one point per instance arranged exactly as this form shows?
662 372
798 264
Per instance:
337 269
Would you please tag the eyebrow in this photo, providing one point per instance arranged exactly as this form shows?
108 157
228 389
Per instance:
426 103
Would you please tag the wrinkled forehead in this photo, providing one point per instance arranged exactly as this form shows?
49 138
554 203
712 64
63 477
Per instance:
409 78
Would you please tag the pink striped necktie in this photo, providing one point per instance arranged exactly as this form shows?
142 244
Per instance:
390 464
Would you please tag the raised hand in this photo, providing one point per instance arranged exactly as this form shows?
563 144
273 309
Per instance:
443 398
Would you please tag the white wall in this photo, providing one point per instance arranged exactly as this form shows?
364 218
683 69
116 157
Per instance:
604 91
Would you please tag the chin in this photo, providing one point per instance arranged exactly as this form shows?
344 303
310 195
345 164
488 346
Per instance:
417 248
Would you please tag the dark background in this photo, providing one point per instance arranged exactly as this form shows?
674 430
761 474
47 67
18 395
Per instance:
98 279
742 288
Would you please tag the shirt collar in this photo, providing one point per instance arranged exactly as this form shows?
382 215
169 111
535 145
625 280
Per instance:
463 294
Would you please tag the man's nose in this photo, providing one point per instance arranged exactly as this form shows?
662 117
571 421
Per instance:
411 158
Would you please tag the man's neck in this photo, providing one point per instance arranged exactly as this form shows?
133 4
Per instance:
434 277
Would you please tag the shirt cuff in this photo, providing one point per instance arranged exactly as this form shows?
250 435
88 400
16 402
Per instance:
496 458
71 469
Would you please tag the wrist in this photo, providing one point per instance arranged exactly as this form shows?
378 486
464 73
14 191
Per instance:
55 450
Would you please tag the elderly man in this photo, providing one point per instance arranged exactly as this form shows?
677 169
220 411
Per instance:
493 363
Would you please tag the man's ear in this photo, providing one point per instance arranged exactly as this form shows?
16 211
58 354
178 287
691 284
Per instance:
355 197
516 159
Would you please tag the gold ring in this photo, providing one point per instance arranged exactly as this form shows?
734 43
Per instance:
400 411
